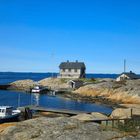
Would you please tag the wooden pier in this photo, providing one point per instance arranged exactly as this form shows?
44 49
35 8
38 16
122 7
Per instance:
4 87
54 110
107 123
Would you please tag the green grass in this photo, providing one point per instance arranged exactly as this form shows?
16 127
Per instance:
85 80
90 80
64 80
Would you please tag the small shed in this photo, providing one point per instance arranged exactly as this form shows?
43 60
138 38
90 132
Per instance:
127 76
75 83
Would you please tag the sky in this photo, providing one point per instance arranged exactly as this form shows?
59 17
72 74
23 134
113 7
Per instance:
37 35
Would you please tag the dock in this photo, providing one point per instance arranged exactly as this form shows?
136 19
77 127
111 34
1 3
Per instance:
107 123
4 87
54 110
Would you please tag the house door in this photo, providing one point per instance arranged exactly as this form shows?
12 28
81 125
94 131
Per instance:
72 85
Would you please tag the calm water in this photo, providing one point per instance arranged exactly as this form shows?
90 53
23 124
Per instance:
11 98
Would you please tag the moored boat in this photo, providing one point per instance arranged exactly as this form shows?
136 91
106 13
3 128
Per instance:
36 89
7 114
40 89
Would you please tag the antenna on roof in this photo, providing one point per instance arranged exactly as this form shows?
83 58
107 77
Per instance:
124 65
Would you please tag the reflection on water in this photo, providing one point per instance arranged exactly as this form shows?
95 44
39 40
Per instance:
16 99
36 99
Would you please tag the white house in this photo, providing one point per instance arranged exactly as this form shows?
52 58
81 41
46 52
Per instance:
127 76
72 70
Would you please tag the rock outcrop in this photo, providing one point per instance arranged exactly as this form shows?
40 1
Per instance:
5 125
90 117
135 108
83 117
121 113
60 129
120 92
97 115
54 83
127 92
24 85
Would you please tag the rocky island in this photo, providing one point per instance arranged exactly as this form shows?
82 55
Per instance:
102 91
120 92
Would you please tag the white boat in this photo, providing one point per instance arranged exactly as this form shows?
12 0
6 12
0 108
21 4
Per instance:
36 89
39 89
7 114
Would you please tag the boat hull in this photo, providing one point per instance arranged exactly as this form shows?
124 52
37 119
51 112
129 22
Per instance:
10 118
35 91
41 91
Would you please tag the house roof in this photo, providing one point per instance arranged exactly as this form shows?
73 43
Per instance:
72 65
131 75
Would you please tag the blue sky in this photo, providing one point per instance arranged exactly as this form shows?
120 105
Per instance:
36 35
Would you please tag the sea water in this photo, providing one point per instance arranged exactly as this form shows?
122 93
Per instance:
13 98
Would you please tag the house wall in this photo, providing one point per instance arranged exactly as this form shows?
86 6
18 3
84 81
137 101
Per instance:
122 77
70 74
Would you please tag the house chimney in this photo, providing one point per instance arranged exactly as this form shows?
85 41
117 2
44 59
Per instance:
67 61
131 72
76 61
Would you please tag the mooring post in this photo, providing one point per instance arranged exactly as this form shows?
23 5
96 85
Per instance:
112 123
131 113
28 113
118 122
106 122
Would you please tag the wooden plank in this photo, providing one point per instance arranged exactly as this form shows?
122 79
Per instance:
71 112
63 111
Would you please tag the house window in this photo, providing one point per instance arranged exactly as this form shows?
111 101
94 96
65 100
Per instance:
69 70
63 70
75 70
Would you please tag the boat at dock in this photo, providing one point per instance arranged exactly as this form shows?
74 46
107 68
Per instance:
8 114
36 89
40 89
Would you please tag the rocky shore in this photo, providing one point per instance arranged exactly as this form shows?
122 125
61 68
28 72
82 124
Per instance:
62 128
90 99
119 92
22 85
79 127
26 85
100 90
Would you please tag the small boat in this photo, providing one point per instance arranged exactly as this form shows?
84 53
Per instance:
40 89
7 114
36 89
